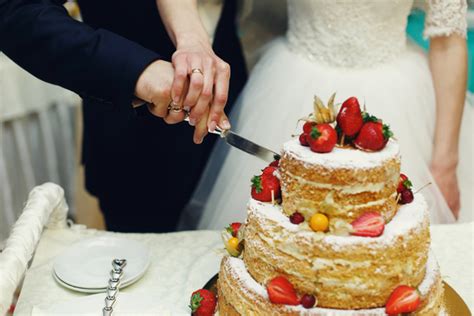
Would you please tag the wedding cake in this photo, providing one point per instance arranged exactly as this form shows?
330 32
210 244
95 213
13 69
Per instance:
333 228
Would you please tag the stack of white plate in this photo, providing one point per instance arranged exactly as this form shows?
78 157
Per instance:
85 266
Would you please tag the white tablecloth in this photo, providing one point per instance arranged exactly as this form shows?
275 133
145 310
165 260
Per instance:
183 262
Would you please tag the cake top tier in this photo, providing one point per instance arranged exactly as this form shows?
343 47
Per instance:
343 157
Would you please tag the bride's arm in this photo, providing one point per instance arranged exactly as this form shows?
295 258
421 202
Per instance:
194 51
446 27
448 63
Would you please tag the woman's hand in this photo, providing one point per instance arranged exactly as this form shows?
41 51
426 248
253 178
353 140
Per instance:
154 87
447 181
208 82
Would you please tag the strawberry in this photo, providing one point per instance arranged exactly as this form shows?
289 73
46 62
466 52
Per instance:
349 117
281 291
275 163
373 136
370 224
322 139
263 185
404 183
203 303
308 126
269 170
404 299
303 140
233 228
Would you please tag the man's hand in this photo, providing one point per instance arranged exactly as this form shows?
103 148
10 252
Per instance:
154 87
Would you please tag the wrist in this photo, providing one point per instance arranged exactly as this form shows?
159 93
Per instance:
448 162
190 39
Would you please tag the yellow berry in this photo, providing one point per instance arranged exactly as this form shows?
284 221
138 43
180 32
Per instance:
319 222
233 243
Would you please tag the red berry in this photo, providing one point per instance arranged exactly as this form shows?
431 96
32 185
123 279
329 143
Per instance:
404 299
233 228
281 291
269 170
406 197
203 303
263 185
308 301
322 139
303 140
349 117
275 164
296 218
404 183
308 126
373 136
370 224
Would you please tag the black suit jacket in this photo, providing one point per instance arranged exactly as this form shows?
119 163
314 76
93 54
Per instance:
134 163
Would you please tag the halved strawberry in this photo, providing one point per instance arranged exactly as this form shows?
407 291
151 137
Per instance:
263 185
281 291
404 299
233 228
404 183
203 303
370 224
349 118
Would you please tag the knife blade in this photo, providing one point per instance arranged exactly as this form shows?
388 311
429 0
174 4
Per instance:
234 140
248 146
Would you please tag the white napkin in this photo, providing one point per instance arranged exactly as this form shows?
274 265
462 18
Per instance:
92 305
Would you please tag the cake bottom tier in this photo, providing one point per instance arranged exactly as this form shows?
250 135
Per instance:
240 294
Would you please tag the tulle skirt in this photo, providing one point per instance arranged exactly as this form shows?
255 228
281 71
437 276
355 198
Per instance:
280 91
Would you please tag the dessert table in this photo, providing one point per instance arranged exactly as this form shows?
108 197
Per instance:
183 262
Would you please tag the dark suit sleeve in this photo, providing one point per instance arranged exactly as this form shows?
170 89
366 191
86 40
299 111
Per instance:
40 36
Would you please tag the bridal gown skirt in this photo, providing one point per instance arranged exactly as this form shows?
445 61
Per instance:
280 91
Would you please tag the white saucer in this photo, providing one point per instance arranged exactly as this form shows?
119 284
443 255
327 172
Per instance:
86 265
92 290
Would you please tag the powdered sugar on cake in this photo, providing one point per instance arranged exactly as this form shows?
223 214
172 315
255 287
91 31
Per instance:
343 157
236 267
409 217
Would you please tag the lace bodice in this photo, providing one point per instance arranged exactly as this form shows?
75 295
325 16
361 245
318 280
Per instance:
347 33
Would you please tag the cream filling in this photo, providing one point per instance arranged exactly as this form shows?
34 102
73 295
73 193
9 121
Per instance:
346 189
322 263
309 207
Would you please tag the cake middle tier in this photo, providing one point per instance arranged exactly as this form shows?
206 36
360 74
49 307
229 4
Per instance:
342 271
342 184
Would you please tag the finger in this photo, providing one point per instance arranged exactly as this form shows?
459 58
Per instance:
196 82
174 117
200 130
221 91
202 105
180 77
159 111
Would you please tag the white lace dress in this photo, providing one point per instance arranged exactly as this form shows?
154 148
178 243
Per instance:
354 48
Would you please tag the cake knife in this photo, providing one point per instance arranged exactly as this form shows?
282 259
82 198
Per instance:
235 140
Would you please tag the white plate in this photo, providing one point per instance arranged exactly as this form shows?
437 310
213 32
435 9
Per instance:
87 264
92 290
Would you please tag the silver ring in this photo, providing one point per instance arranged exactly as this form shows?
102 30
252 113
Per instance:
196 71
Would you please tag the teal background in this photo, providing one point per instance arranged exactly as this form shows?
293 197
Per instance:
415 33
